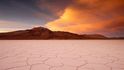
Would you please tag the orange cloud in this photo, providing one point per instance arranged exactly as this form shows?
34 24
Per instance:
62 24
75 21
85 16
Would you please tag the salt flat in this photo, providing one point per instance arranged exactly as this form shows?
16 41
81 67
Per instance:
61 54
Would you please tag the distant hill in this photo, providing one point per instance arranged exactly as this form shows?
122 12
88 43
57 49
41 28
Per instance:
41 33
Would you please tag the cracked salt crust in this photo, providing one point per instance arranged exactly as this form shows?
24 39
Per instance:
62 55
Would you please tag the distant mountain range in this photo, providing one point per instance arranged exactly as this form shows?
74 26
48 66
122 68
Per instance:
41 33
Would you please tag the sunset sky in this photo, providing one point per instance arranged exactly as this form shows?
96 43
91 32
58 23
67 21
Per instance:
77 16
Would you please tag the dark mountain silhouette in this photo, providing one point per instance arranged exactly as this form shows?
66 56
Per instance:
40 33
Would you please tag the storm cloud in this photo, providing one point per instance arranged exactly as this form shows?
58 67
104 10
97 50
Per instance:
87 16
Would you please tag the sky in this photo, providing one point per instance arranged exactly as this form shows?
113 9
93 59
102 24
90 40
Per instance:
104 17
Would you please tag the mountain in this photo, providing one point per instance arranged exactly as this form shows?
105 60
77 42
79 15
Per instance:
40 33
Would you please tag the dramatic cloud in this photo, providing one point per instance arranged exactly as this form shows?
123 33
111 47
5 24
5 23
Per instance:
88 16
54 7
